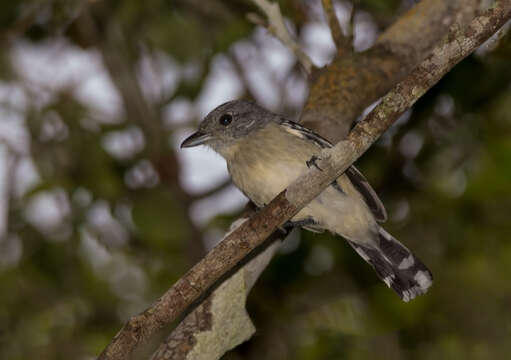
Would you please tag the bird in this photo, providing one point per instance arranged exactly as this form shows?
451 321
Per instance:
266 152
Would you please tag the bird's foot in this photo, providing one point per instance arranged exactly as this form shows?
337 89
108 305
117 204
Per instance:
313 162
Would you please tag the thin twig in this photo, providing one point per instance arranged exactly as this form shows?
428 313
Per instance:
277 27
342 43
12 158
351 25
349 84
333 163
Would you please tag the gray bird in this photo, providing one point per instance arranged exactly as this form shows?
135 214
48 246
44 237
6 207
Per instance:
265 153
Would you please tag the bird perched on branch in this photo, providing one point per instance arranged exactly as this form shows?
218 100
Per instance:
265 153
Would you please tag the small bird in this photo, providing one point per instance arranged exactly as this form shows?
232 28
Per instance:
265 153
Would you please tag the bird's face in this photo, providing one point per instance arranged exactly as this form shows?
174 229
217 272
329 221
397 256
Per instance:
227 124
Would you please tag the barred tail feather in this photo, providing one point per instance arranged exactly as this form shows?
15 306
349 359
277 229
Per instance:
396 266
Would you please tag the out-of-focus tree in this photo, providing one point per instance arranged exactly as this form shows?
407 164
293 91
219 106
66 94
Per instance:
100 214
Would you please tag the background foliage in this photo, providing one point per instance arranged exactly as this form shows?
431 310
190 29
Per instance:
101 220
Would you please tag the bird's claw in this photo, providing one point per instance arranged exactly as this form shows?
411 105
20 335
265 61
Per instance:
312 162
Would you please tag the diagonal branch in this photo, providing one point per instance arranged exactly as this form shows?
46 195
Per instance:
333 162
220 322
278 28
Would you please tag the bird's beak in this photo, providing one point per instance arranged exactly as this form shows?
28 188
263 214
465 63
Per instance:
195 139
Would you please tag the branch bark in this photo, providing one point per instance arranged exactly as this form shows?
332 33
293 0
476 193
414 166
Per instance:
277 27
340 91
333 162
220 322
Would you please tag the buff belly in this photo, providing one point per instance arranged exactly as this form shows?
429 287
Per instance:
263 173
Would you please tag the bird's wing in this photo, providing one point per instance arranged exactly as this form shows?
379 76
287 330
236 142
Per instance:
304 133
371 198
359 181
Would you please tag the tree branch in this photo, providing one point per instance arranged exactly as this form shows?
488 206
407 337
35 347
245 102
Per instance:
220 322
342 43
278 28
340 91
333 163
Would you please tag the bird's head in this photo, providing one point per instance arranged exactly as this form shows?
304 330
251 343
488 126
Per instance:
227 124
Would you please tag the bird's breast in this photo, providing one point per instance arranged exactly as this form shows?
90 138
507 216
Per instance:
267 162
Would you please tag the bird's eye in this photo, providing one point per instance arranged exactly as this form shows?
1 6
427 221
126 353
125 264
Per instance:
225 119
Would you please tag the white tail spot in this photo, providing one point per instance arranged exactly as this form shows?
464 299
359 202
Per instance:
406 263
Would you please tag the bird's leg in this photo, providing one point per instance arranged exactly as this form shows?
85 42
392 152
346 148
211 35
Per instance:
312 162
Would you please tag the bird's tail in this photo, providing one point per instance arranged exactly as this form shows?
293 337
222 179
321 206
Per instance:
396 266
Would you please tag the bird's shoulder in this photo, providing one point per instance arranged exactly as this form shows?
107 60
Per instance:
304 133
